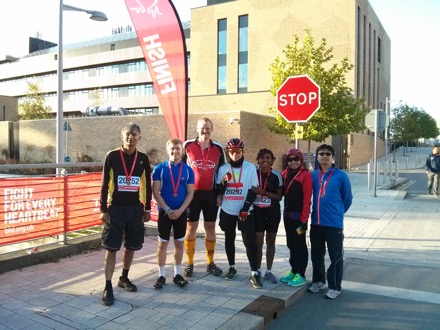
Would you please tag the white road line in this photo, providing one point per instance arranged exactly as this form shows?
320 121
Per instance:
433 298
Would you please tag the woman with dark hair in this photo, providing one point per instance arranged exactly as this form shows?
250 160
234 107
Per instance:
297 201
267 209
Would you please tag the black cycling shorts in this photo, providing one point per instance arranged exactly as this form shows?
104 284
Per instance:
267 219
165 224
125 225
206 201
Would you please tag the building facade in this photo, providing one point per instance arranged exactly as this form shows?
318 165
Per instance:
230 45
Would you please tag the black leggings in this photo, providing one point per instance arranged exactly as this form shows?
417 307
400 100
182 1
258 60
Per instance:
228 224
299 254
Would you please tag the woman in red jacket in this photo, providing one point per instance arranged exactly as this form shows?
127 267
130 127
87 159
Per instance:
297 201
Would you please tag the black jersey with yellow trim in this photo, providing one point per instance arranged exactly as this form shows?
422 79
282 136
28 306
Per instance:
114 187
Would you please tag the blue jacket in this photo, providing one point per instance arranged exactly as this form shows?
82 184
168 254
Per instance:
433 163
332 197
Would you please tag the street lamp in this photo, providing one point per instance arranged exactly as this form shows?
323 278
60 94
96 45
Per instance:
97 16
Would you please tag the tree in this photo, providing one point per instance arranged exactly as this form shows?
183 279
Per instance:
340 112
411 124
33 105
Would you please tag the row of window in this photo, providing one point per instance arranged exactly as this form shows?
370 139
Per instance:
243 41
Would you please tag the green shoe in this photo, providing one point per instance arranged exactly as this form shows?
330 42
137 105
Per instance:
289 276
298 280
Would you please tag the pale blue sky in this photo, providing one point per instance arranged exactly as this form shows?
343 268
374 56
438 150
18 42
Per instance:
412 25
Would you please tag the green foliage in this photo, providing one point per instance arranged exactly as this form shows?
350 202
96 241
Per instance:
340 112
33 106
411 124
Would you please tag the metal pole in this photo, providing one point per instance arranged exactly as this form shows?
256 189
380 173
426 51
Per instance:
375 151
60 111
387 109
296 135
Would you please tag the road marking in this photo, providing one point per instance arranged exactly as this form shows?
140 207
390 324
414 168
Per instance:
433 298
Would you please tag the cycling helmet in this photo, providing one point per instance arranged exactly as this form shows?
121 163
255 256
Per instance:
235 143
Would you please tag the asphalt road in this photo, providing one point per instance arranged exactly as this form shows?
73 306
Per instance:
375 296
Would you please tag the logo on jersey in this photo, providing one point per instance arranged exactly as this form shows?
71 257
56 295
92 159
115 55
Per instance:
203 164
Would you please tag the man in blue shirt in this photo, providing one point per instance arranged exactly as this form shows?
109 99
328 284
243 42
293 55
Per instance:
173 189
332 197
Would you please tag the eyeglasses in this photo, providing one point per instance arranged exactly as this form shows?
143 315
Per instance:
325 153
293 159
235 151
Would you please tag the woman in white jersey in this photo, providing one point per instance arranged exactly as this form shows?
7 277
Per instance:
234 185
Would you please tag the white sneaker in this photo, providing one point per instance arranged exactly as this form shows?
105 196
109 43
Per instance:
316 287
332 294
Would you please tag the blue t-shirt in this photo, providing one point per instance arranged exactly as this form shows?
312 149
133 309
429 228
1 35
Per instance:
162 173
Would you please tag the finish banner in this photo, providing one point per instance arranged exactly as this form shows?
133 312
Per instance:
161 37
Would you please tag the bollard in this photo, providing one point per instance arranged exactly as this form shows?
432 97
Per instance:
368 175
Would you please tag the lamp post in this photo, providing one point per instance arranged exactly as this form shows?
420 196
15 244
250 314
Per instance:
97 16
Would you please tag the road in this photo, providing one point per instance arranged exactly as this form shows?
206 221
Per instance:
396 285
375 295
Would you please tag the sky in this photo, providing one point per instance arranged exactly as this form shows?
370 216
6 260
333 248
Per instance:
412 25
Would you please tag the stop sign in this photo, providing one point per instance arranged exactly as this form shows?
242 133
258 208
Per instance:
298 98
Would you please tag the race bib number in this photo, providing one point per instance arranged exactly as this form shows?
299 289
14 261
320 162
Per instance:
234 191
262 201
131 186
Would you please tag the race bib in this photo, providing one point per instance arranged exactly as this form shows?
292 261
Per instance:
234 191
131 186
262 201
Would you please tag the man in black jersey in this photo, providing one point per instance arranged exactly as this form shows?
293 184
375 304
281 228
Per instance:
125 206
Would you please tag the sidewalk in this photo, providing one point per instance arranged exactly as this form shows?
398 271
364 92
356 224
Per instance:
65 294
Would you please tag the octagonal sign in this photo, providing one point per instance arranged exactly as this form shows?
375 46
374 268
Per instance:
298 98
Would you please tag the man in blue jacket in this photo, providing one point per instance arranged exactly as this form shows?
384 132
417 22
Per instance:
332 197
433 170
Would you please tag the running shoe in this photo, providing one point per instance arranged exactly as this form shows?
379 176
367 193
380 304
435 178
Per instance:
107 298
256 281
180 281
160 282
268 276
289 276
332 294
213 269
231 273
298 280
126 284
189 270
316 287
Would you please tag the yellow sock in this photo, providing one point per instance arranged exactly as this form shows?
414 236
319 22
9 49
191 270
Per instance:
210 248
190 248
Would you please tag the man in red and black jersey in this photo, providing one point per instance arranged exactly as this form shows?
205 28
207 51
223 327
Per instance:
205 157
125 206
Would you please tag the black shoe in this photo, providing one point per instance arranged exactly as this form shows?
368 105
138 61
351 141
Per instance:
256 281
213 269
189 270
180 281
126 284
160 282
107 298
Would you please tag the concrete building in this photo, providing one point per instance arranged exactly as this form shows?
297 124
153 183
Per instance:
231 45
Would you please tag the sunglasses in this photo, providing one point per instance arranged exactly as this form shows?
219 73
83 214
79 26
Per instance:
293 159
325 153
235 151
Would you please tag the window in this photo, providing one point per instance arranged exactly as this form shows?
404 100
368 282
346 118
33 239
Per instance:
379 44
221 56
242 54
112 47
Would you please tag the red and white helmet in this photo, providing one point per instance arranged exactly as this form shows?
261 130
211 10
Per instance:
235 143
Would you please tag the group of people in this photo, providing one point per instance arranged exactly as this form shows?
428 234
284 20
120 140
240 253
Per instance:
198 178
